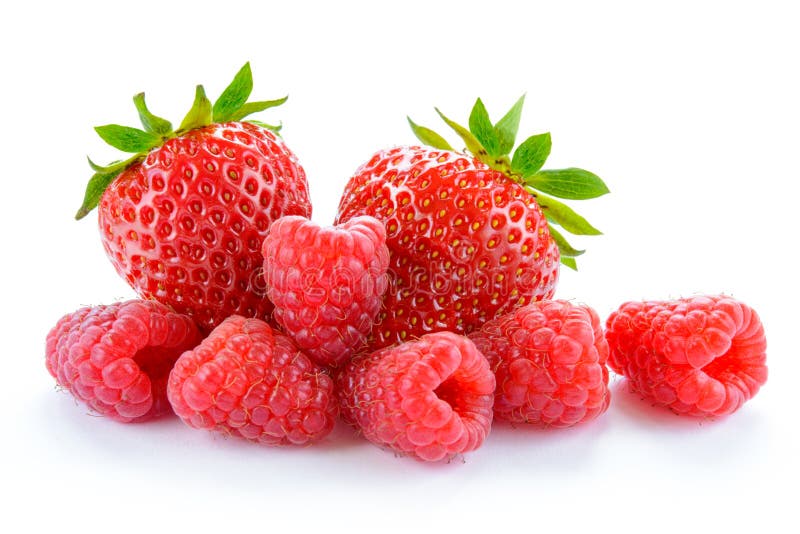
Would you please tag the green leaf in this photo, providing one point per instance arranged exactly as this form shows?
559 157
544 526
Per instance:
270 127
481 127
126 138
569 262
571 183
234 96
531 155
473 145
200 113
563 246
564 216
428 136
254 107
151 123
508 126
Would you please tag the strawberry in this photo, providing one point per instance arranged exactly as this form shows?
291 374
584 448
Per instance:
183 219
471 235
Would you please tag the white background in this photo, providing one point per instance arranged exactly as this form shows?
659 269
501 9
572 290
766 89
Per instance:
688 110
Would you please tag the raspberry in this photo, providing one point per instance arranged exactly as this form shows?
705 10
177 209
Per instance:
700 356
244 379
430 398
549 361
326 284
116 358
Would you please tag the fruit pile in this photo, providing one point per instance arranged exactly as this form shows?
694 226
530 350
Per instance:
423 314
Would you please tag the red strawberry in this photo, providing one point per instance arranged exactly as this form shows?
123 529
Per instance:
700 356
468 234
184 218
549 359
430 398
116 358
252 382
326 283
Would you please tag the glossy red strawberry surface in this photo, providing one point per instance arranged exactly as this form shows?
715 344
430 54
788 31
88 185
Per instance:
185 226
466 243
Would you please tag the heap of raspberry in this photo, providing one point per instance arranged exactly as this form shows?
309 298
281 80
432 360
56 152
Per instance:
549 360
700 356
244 379
116 358
430 398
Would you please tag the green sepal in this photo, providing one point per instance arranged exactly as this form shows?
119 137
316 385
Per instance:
200 113
114 166
270 127
127 139
563 246
473 145
99 182
531 155
254 107
153 124
508 126
563 215
571 183
569 262
428 136
94 190
95 166
481 127
234 96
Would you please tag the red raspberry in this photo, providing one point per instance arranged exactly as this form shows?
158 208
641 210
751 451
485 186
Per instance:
700 356
549 360
430 398
244 379
117 358
326 284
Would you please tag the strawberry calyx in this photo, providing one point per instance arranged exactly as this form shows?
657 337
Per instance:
231 106
492 144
